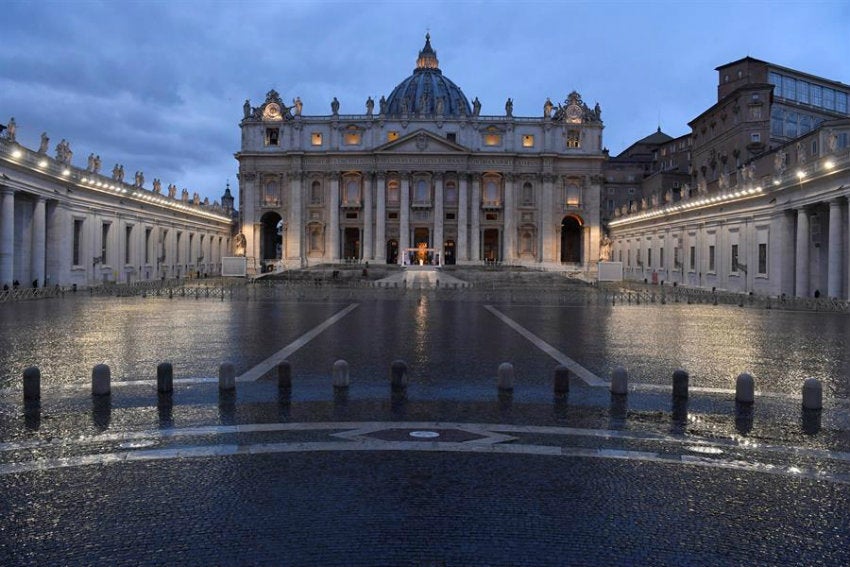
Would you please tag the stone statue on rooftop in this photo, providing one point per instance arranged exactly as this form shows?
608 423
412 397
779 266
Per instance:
246 109
45 141
547 108
96 164
383 104
476 107
11 129
335 106
370 106
509 108
296 102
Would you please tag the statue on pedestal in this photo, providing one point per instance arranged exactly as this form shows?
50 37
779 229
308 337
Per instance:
547 108
509 108
370 106
335 106
298 105
45 141
476 107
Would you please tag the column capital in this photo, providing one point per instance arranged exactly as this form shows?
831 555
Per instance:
6 190
381 175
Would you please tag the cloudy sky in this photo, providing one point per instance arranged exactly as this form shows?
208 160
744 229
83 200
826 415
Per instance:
159 85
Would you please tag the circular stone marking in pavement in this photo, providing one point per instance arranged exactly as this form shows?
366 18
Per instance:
424 434
704 450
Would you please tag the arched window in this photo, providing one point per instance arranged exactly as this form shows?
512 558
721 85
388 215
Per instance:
527 194
421 195
573 194
316 193
271 194
352 192
491 193
392 192
451 193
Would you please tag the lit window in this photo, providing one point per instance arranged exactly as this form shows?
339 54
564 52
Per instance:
573 195
392 135
528 141
352 136
492 137
573 139
272 136
316 139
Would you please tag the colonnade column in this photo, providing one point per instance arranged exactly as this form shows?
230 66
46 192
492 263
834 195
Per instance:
294 228
438 216
509 237
836 250
334 230
381 219
404 219
475 237
462 220
801 283
367 251
39 241
546 203
7 235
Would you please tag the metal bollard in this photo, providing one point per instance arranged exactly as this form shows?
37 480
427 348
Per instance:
398 376
562 380
226 377
812 394
680 384
745 389
620 381
340 375
100 379
506 377
32 384
284 375
164 378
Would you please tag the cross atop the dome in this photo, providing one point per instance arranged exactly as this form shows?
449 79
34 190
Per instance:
427 57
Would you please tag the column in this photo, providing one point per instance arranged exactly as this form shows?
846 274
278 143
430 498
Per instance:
462 219
404 219
475 228
509 238
7 236
333 236
367 249
438 216
836 251
38 241
381 218
294 229
546 234
801 276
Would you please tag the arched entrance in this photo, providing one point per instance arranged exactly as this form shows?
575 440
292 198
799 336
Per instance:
271 236
392 251
571 240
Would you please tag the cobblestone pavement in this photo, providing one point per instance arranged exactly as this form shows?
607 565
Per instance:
447 473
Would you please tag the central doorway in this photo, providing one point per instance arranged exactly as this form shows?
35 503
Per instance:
490 244
351 243
571 240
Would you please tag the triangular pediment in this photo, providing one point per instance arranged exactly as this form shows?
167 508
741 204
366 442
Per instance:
421 142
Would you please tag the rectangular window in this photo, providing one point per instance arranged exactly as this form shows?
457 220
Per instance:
352 138
776 121
128 244
316 139
735 258
78 241
791 124
272 136
828 99
693 258
763 258
148 245
649 258
392 215
528 141
803 92
841 102
450 216
451 136
492 139
755 138
392 136
661 258
573 139
789 88
711 258
179 248
816 94
104 241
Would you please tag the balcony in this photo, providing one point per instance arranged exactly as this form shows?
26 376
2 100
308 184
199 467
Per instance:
491 205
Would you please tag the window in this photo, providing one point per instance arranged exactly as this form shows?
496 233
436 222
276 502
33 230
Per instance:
735 258
392 215
78 241
661 258
791 124
352 192
392 136
316 193
573 195
128 243
492 137
649 258
148 245
527 194
352 136
755 113
711 258
755 138
491 193
451 137
422 193
693 258
316 139
272 136
451 193
104 241
528 141
270 193
191 246
828 99
392 193
573 139
763 258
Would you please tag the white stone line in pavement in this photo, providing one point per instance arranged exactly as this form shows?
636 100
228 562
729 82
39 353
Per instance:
589 377
367 445
259 370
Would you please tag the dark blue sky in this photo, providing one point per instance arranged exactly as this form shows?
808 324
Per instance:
159 86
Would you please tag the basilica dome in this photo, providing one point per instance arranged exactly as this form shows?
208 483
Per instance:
427 91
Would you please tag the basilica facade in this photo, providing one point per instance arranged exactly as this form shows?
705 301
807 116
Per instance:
420 177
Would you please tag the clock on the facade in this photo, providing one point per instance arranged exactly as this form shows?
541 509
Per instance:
272 111
574 113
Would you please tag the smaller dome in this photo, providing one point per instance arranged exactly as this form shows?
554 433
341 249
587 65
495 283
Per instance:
427 91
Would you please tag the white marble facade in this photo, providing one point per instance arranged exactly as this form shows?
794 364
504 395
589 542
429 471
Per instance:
420 169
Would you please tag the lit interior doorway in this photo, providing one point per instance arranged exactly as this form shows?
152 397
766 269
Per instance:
490 244
571 240
351 243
